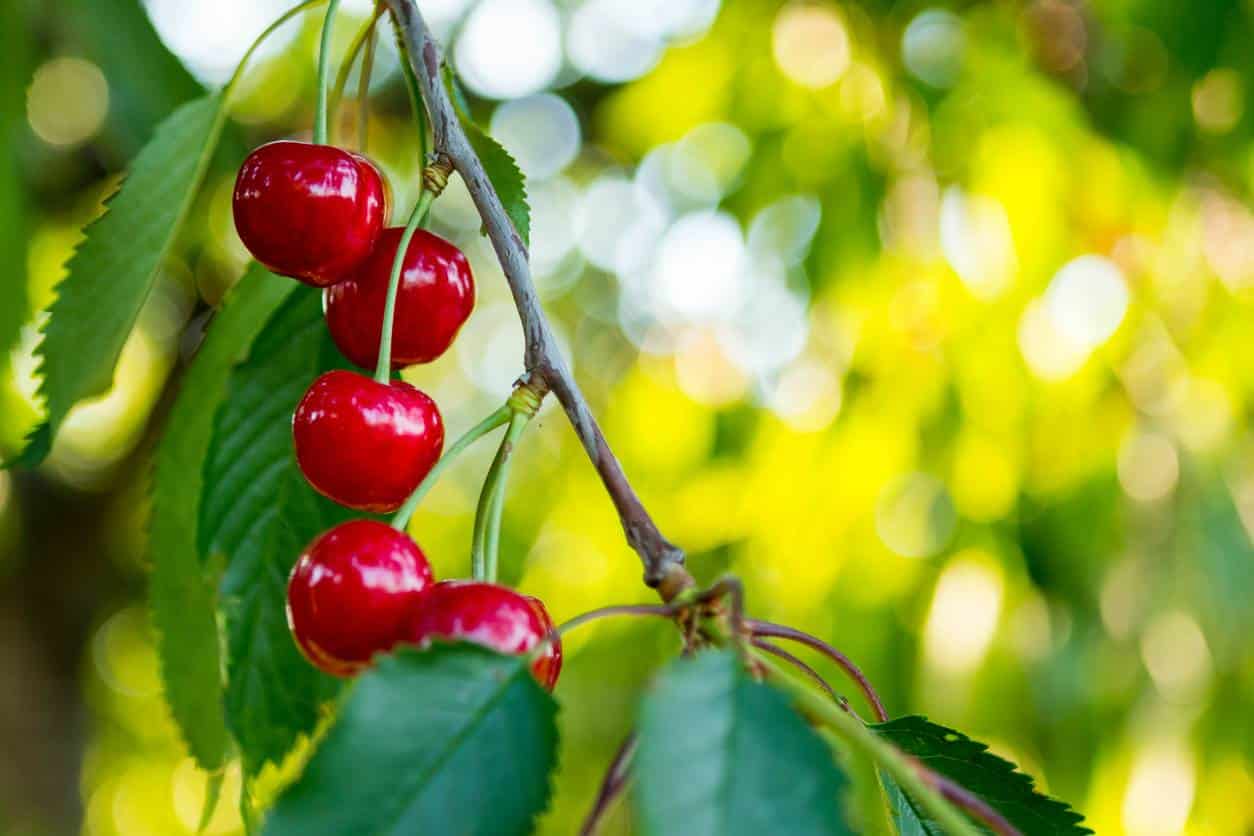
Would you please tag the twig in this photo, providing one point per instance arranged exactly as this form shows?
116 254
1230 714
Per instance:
615 779
663 561
776 650
766 628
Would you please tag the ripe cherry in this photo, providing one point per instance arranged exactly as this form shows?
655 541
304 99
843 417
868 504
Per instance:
433 301
366 444
352 592
309 211
491 615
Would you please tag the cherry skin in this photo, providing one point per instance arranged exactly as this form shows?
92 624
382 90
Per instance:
311 212
351 594
434 299
491 615
366 444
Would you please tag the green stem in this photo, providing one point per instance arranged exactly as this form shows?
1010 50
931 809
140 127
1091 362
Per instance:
415 93
363 92
324 67
478 431
346 66
487 534
383 367
267 32
854 733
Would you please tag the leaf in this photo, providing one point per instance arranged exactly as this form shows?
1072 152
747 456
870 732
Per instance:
183 596
213 793
113 270
722 755
457 739
909 817
146 81
969 763
258 513
507 179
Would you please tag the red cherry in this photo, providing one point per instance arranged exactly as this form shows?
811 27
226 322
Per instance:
366 444
312 212
351 593
491 615
433 301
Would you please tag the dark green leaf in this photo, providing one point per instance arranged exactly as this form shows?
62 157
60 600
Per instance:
258 513
182 593
454 740
722 755
112 272
969 763
146 81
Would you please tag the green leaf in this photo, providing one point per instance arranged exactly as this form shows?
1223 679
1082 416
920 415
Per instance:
213 794
722 755
507 179
113 270
970 764
146 81
910 818
457 740
182 594
257 512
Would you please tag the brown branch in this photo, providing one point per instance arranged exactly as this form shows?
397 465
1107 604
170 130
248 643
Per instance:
776 650
778 631
663 561
611 786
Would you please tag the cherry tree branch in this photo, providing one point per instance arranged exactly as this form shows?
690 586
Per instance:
663 561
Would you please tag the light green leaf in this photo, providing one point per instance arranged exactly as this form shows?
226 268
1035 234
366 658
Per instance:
182 594
113 270
722 755
257 512
456 740
970 764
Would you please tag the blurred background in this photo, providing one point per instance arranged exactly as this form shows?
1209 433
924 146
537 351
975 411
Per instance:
933 321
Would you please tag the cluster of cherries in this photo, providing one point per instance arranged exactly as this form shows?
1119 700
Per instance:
317 213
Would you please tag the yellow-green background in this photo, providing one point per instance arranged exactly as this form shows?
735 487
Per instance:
1034 534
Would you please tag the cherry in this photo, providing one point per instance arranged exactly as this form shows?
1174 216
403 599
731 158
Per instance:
351 594
309 211
433 301
491 615
366 444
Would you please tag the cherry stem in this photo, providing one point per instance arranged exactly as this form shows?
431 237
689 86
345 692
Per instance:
363 86
324 67
765 628
776 650
383 369
415 91
265 33
478 431
663 610
612 785
363 34
487 533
